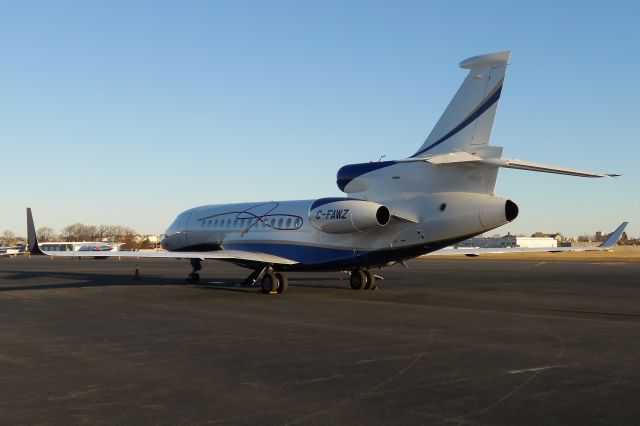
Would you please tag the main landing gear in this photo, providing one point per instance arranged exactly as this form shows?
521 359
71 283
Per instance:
194 276
271 282
274 282
362 279
253 277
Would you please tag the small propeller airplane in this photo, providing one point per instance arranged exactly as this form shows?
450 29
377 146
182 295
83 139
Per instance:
392 211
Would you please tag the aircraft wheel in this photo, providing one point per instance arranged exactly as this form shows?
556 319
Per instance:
269 282
371 280
194 277
358 279
283 282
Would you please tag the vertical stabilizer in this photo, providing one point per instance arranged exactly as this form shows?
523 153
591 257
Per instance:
467 122
32 238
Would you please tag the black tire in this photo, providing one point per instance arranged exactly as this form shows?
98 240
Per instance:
358 279
283 282
371 280
194 277
269 282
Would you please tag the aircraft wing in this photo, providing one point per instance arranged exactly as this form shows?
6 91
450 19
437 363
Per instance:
223 254
606 245
202 255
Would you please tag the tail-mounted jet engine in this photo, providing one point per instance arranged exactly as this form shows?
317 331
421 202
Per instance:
466 213
346 215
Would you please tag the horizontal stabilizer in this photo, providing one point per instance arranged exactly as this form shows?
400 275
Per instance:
474 159
453 157
544 168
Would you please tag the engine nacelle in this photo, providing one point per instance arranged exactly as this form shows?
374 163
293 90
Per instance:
460 213
346 215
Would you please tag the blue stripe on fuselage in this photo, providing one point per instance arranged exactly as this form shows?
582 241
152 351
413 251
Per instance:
349 172
305 254
326 258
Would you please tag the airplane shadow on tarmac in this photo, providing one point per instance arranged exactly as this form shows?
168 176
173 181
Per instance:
80 280
84 280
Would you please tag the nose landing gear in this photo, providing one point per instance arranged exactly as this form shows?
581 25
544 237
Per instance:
196 266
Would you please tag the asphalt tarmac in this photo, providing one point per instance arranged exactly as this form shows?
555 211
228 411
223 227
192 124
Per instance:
445 342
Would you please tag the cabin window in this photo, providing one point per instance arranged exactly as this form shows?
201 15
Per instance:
288 226
280 222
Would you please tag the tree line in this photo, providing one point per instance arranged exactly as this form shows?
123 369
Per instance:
81 232
76 232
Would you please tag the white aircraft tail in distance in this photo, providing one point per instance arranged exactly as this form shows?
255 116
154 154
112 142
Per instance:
392 210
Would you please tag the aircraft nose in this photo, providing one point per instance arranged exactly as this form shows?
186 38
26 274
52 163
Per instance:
165 242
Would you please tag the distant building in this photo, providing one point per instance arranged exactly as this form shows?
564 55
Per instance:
509 241
557 236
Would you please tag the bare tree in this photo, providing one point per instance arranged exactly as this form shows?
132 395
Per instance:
103 232
89 233
8 237
71 232
45 234
80 232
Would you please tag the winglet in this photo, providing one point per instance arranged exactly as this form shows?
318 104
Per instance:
613 238
31 235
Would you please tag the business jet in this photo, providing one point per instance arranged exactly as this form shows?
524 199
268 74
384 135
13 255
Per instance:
392 210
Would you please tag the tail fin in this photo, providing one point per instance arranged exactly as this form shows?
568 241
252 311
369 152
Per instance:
614 237
32 238
467 122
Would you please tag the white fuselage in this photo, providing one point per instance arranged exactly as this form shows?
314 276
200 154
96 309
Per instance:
419 224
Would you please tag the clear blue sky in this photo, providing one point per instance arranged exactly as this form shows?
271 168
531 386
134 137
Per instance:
117 112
